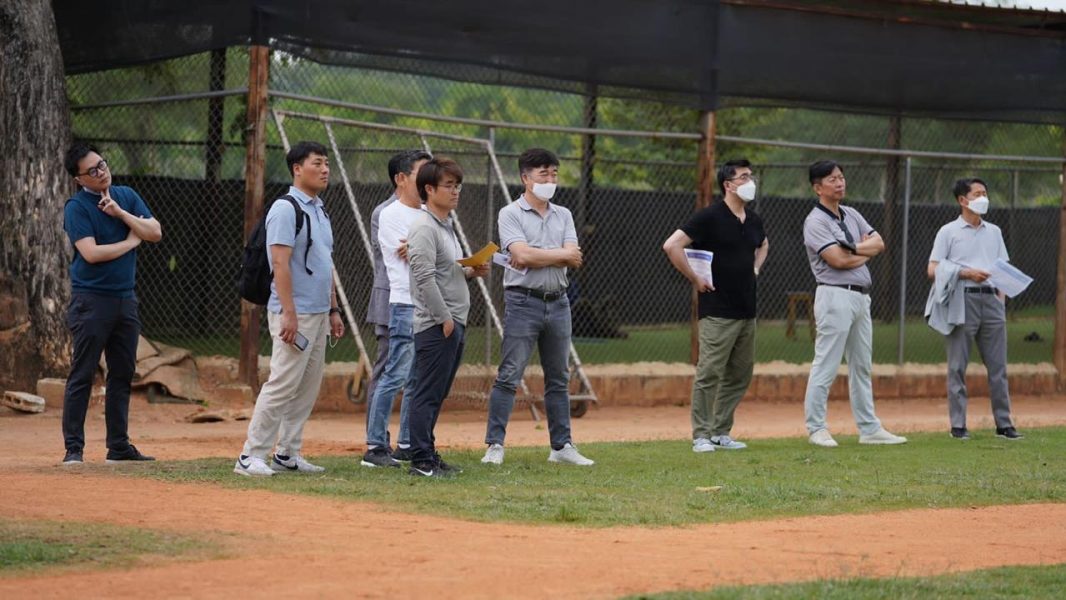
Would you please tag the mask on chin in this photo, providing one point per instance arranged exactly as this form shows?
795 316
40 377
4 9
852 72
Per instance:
978 205
544 191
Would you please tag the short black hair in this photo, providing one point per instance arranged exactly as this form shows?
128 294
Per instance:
729 170
963 186
535 158
821 169
301 151
76 152
433 172
404 161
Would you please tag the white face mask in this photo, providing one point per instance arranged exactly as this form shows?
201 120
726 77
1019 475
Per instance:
544 191
747 191
979 205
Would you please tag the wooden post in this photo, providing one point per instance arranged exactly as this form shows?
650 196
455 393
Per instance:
887 273
254 166
1060 286
588 161
705 180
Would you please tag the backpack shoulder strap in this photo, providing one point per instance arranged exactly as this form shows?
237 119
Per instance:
302 217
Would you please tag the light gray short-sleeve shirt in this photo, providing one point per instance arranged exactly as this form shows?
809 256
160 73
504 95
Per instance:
520 222
973 247
821 230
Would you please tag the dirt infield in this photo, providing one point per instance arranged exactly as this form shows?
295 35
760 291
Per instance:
300 546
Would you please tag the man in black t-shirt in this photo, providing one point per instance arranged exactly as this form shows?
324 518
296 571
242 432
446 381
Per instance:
735 236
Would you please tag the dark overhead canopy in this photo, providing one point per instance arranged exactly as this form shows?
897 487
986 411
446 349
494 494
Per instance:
885 56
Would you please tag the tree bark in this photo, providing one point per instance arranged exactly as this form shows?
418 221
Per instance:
34 134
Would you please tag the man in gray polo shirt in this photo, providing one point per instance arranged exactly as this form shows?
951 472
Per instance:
839 243
975 245
541 240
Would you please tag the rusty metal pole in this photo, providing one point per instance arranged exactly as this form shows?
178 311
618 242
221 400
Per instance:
254 167
704 196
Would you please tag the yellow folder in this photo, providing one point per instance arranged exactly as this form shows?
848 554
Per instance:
481 256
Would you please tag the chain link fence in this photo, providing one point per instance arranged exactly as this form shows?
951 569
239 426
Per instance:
628 193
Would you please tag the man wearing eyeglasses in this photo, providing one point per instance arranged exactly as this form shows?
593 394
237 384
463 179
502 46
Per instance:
735 234
105 224
839 243
540 238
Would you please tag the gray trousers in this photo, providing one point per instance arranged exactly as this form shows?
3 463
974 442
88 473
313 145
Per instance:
844 331
986 323
727 357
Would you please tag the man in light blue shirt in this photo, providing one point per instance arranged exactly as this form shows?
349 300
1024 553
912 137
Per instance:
974 245
302 312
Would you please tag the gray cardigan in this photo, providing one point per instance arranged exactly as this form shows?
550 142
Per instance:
946 306
438 282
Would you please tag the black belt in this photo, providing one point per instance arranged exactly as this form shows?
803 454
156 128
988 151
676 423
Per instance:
981 290
545 296
848 286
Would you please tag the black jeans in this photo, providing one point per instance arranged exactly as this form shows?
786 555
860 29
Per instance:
437 359
108 325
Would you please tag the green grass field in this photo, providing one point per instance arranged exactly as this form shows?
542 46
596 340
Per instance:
32 545
659 483
671 343
1033 583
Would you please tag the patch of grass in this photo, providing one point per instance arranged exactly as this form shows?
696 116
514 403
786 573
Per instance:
670 343
657 483
1009 582
30 545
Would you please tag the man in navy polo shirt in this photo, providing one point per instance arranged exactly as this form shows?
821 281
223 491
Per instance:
105 224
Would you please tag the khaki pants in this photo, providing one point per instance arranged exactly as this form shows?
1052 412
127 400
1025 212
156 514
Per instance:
727 357
286 399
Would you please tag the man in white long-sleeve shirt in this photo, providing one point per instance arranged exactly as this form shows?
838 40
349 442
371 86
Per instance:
393 225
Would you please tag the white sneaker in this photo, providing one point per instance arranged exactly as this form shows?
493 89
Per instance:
702 445
493 455
727 443
823 439
882 437
252 466
569 455
294 464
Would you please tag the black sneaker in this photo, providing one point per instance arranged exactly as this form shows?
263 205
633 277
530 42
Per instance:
130 454
73 457
1009 433
960 433
447 468
426 469
403 454
379 457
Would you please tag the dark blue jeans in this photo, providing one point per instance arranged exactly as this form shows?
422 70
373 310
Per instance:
530 322
111 326
437 359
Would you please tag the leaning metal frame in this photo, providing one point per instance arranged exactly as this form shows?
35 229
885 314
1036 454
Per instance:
423 135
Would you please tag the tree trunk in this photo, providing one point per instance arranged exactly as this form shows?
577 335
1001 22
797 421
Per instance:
34 254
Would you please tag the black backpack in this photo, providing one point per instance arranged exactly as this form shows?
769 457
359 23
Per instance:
255 275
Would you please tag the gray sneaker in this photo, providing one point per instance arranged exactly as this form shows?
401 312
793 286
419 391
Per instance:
569 455
293 464
493 455
702 445
727 443
379 457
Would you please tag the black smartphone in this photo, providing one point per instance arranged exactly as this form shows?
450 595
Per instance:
300 342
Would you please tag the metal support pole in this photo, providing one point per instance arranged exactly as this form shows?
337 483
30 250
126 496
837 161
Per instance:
254 174
1060 283
903 257
489 214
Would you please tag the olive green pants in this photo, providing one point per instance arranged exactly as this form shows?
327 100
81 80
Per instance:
727 356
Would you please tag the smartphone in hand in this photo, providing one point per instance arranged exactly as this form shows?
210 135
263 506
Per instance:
300 342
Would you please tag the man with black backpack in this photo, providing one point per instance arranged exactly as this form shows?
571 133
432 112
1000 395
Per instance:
301 309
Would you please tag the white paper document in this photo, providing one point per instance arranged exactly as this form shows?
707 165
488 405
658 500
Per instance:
700 261
504 260
1008 279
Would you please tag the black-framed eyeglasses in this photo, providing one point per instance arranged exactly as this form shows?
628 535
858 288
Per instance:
94 172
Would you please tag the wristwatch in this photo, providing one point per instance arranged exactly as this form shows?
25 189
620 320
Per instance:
334 309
